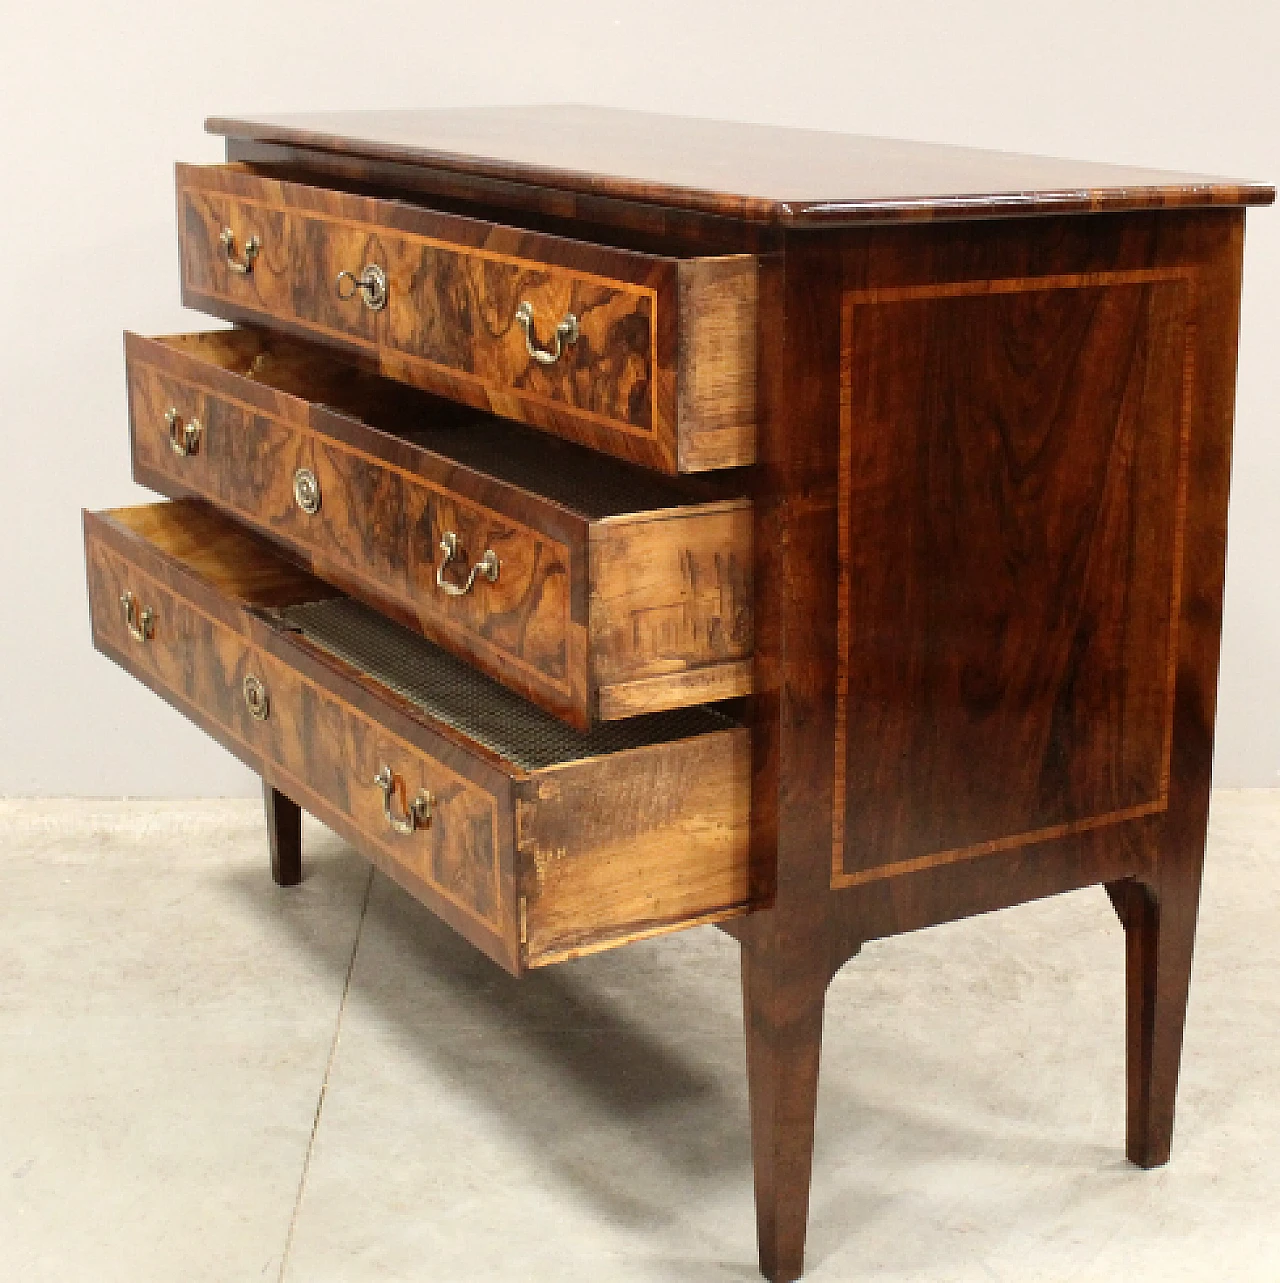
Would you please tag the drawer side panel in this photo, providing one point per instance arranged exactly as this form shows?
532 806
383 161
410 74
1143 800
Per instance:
672 608
650 840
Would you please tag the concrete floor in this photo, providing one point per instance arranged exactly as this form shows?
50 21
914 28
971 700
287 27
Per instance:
203 1077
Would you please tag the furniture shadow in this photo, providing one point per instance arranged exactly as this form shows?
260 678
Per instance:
623 1074
641 1049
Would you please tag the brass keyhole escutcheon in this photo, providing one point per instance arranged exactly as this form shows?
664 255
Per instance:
306 490
256 698
371 285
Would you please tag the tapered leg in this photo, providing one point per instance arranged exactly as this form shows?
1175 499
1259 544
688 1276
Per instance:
783 1017
1160 929
284 835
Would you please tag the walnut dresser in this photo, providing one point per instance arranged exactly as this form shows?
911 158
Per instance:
610 523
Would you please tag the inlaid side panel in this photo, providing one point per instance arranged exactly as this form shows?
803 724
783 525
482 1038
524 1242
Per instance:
1013 472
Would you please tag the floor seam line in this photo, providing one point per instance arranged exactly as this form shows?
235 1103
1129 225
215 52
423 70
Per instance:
324 1083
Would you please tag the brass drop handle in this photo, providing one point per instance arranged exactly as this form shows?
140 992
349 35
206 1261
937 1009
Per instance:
140 623
371 285
566 334
417 814
184 434
251 249
488 566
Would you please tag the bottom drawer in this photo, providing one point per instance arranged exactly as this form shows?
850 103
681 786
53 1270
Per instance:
535 841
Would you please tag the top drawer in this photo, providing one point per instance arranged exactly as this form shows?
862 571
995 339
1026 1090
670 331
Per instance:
643 356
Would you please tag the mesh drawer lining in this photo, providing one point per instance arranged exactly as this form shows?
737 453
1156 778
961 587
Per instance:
571 475
451 691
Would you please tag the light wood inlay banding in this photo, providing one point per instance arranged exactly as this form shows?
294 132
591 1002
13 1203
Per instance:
1084 477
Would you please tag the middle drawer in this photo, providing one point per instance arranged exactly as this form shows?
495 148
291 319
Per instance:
595 589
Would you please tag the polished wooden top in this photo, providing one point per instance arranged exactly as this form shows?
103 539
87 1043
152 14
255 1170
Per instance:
761 173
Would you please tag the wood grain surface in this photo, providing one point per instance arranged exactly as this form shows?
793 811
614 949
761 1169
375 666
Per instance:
763 173
310 737
605 220
989 398
928 420
454 286
1012 489
672 607
624 847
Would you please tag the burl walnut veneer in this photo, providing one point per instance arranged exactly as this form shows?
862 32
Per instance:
953 564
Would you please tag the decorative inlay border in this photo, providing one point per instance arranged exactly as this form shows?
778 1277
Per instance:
887 296
290 211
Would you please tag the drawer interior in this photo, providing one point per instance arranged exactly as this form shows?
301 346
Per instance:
451 692
709 238
241 568
581 480
624 591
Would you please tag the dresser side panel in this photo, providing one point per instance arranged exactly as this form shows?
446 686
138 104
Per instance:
1093 359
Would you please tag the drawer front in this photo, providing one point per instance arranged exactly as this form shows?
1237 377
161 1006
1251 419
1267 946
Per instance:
646 604
376 528
169 643
646 357
318 748
312 735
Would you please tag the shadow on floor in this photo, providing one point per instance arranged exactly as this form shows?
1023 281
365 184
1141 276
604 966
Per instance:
647 1042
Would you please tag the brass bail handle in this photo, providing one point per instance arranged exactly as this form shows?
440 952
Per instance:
417 814
488 566
140 623
371 285
566 334
184 434
252 247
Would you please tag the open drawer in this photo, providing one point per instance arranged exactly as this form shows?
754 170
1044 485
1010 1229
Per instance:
647 356
593 587
535 841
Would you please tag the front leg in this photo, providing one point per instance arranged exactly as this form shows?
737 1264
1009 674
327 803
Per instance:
782 1008
1160 932
284 836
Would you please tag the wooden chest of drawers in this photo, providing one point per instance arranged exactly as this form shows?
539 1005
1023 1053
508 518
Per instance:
612 523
